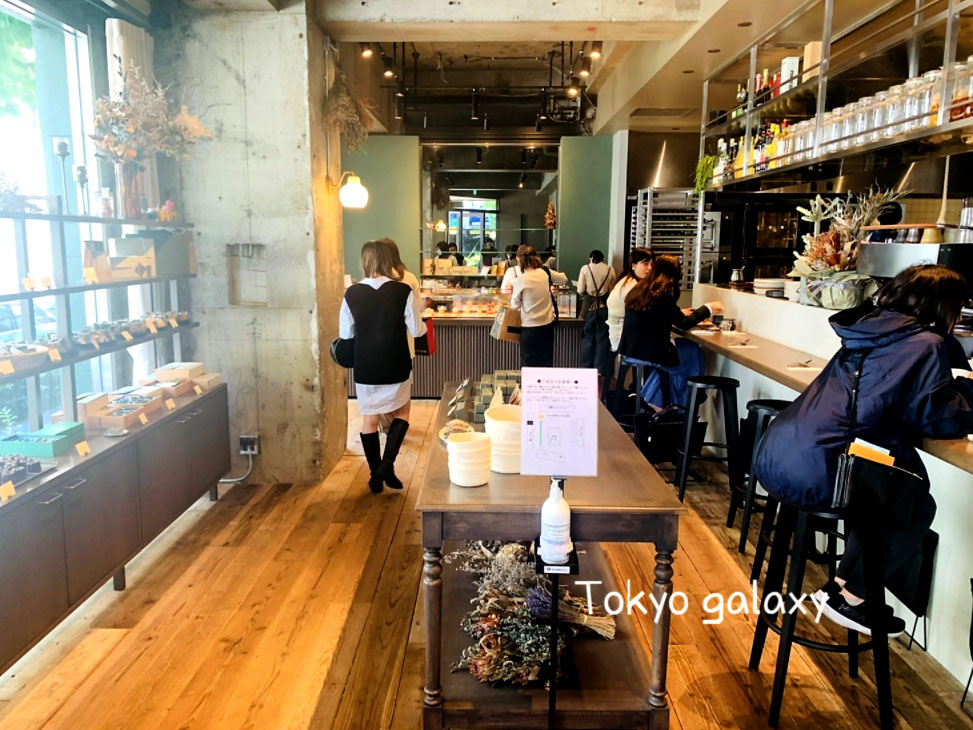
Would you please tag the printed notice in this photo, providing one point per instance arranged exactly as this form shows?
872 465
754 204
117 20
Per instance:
559 436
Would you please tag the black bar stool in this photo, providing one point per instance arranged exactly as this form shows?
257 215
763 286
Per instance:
765 536
727 388
759 415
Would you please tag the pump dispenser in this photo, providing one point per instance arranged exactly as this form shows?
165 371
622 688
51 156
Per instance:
555 542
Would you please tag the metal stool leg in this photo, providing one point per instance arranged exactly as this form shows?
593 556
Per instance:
967 690
731 425
775 579
875 606
760 553
758 432
685 457
853 653
796 580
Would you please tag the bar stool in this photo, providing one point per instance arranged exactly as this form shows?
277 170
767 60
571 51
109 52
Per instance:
727 388
640 374
759 415
765 536
799 524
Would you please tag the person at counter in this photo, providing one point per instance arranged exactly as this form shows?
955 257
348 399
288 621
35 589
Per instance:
651 311
532 295
903 343
400 273
595 281
639 263
444 253
379 313
512 272
456 255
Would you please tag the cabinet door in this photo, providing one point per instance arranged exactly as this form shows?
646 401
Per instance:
33 584
100 520
163 471
213 454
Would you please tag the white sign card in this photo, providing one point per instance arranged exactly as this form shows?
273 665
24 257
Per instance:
559 430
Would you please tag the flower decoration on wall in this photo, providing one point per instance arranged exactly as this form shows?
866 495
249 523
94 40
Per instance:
140 124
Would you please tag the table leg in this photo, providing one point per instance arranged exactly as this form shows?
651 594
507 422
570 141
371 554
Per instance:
432 591
662 590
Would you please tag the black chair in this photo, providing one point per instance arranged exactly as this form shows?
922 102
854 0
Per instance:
918 600
698 387
879 496
765 536
759 415
967 690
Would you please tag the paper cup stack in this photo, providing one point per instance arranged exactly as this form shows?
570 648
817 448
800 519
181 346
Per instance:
468 459
503 425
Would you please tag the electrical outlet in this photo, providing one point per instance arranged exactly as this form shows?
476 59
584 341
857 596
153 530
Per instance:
249 445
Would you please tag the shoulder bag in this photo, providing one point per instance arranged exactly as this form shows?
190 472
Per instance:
550 286
343 352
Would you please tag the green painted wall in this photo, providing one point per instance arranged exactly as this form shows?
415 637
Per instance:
584 200
389 168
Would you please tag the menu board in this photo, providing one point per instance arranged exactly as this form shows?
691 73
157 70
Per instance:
559 434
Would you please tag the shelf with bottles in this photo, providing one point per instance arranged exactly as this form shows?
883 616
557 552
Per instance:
867 98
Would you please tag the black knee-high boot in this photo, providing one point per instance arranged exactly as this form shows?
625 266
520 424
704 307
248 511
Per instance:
393 441
373 455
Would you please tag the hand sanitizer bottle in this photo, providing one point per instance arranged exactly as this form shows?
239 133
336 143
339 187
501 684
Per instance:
555 542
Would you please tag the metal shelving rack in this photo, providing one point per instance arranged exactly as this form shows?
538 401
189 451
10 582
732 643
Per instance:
162 290
846 44
667 223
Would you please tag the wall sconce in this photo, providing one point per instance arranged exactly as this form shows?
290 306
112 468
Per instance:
440 225
352 193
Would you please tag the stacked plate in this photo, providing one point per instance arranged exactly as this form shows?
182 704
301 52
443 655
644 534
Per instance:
468 458
762 286
503 425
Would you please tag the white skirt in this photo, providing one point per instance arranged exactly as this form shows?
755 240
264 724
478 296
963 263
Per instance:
376 400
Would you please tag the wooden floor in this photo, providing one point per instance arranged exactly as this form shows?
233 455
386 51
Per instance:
298 607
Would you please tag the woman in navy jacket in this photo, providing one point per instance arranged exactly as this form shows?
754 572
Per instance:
907 391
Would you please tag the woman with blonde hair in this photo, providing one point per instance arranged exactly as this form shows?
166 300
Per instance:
380 314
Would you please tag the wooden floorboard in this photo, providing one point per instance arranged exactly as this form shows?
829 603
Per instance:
294 607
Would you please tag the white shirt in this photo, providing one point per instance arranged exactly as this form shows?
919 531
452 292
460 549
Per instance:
509 276
616 309
596 279
409 278
532 296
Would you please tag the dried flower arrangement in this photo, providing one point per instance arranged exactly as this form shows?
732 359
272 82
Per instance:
512 640
11 199
346 114
550 217
140 124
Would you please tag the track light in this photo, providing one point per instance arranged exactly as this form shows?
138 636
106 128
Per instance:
585 68
523 179
366 50
543 113
389 71
479 155
399 106
538 124
486 121
399 89
595 51
425 119
475 105
523 157
575 88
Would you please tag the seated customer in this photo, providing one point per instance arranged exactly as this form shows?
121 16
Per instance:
906 391
651 311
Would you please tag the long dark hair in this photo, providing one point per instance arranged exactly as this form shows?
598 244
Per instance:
527 258
637 255
662 282
931 293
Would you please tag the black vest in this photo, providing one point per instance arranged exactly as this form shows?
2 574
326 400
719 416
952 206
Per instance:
381 336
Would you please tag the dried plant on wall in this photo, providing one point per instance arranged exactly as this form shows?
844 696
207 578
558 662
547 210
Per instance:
346 114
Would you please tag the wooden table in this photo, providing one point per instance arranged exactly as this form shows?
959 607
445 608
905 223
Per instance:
627 502
771 359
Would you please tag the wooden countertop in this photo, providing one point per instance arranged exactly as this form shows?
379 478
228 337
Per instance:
625 484
771 359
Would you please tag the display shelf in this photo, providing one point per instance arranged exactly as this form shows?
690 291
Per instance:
59 218
116 346
37 293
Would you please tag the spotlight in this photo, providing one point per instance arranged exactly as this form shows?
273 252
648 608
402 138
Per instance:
366 50
595 51
486 121
585 68
479 155
399 89
399 106
475 105
543 114
538 125
425 119
575 88
389 71
523 179
523 157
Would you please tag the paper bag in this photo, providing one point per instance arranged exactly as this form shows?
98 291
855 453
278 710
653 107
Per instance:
426 344
506 325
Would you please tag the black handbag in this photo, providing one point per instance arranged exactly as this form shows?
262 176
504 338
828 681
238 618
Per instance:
869 486
343 352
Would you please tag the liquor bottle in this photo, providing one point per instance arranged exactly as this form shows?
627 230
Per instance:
775 85
738 159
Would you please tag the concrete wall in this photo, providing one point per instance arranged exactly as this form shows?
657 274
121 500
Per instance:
584 199
662 160
389 168
247 74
